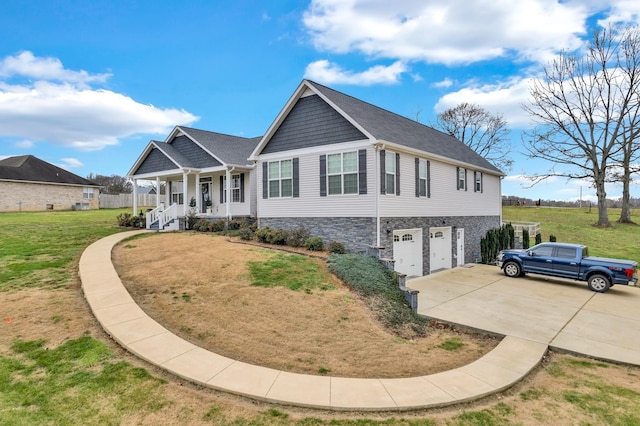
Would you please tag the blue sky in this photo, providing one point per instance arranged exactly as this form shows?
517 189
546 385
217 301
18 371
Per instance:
86 84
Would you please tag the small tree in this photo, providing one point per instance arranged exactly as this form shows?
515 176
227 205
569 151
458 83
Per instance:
525 239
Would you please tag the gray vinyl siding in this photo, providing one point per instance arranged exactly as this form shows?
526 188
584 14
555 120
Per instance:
312 122
197 156
156 161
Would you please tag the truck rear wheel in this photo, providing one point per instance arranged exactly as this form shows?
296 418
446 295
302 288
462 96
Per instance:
512 269
599 283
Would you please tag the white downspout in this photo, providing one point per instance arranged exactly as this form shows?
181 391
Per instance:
376 146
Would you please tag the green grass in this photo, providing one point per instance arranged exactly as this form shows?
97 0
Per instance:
41 249
575 225
453 344
69 385
289 270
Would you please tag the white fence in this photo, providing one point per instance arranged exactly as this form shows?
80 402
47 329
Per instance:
117 201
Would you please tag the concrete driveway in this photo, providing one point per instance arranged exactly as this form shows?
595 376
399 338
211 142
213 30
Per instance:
563 314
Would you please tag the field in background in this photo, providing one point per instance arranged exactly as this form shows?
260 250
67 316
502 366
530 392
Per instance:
575 225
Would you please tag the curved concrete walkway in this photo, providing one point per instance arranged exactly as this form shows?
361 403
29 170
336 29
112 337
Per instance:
130 326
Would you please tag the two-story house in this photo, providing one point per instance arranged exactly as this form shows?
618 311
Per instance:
358 174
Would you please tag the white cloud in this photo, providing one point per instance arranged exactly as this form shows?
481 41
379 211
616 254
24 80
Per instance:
70 163
25 64
60 108
505 98
624 12
24 144
324 71
453 32
444 84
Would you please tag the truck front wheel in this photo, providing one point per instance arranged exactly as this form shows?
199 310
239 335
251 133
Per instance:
512 269
599 283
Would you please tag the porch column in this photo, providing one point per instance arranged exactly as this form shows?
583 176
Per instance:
228 200
135 197
158 191
185 199
198 194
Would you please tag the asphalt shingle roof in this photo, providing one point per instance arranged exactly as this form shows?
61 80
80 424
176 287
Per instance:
32 169
391 127
229 149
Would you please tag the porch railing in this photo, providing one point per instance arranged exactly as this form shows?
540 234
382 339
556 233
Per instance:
153 215
168 215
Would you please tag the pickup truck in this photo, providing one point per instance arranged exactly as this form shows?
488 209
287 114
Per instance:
569 261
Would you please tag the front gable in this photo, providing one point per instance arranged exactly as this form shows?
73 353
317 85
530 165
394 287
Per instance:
196 156
155 161
312 122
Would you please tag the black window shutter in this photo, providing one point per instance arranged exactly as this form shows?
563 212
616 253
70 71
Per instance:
265 180
242 187
323 175
457 177
466 186
481 182
397 174
475 179
221 189
296 178
428 179
417 177
362 171
383 173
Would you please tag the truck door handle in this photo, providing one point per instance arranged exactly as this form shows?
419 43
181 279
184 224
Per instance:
573 263
549 261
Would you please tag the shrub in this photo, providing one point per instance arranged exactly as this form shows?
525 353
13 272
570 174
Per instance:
125 219
217 226
552 238
336 247
525 239
314 244
235 224
245 233
191 219
201 225
262 234
297 237
538 238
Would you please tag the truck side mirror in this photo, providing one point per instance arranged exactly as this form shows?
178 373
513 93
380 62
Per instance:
530 253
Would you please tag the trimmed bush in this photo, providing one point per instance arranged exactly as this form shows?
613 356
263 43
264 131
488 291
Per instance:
235 224
245 233
217 226
297 237
525 239
262 234
336 247
538 238
314 244
552 238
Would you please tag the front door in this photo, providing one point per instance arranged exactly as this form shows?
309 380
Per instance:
460 245
205 190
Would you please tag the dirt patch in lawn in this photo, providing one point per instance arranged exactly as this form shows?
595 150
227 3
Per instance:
198 286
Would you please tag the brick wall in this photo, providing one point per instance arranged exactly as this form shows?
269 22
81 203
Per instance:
16 196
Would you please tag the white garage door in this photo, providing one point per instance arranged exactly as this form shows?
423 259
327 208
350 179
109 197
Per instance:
440 248
407 252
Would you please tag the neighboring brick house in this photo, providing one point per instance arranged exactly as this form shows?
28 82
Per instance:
355 173
30 184
344 169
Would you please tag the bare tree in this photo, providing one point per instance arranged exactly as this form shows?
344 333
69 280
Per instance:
582 107
481 131
113 184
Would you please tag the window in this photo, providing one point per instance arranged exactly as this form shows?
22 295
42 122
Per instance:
477 177
87 193
390 172
567 252
462 178
176 192
543 251
236 188
342 173
423 178
280 178
407 237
